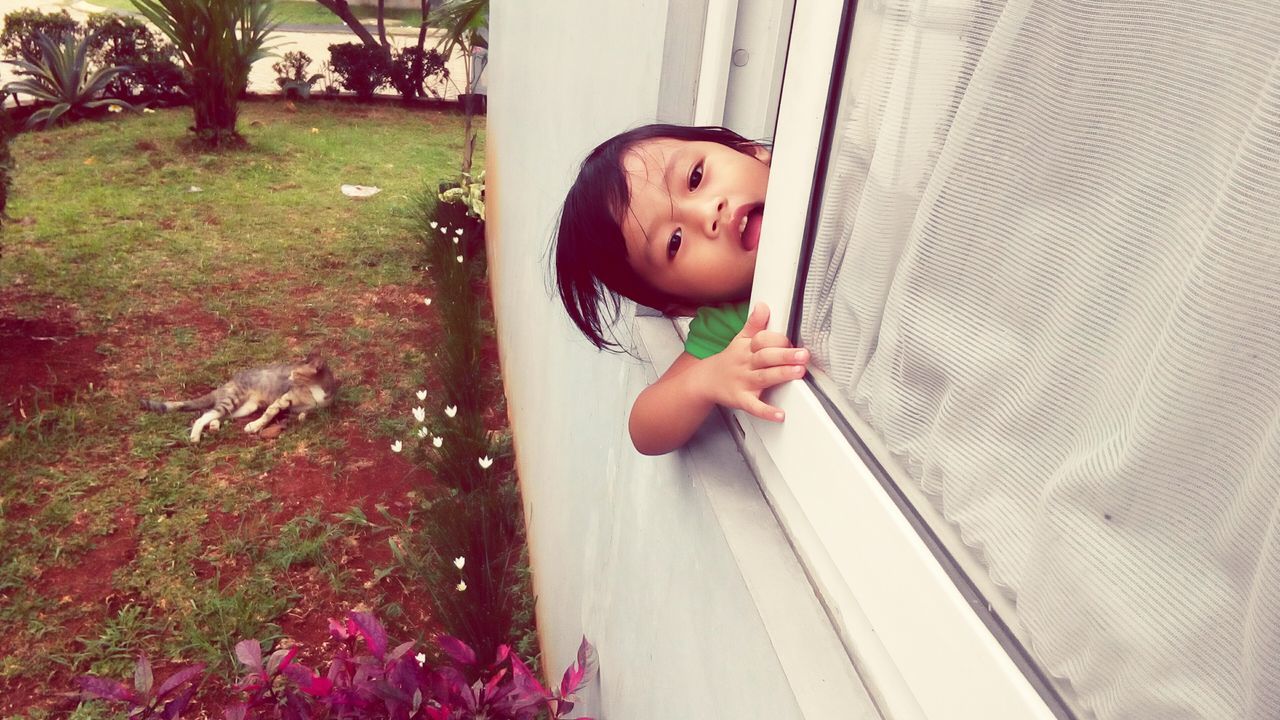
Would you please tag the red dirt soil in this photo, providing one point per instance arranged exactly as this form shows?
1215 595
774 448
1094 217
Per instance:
43 360
47 360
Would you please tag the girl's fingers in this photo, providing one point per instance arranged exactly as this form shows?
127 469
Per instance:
774 356
760 409
756 321
768 377
768 338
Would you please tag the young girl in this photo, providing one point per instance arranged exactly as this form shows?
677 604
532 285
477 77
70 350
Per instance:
669 216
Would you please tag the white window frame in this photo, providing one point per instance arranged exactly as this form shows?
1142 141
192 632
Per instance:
912 631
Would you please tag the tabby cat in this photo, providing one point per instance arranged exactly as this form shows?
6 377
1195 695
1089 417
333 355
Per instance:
295 387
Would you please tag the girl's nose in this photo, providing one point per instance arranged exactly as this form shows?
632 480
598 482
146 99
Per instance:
716 218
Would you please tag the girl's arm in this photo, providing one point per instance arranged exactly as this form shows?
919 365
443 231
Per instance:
672 409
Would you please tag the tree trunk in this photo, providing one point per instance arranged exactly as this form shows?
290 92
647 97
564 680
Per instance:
468 110
422 29
343 11
382 25
215 107
468 137
422 41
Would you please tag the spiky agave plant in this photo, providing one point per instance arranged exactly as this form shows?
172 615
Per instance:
60 75
218 41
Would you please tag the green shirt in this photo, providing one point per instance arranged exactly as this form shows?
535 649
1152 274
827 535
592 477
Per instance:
714 327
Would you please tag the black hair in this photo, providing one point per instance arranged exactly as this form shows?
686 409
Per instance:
591 265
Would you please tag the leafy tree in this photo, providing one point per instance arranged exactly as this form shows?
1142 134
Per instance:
126 41
407 69
218 41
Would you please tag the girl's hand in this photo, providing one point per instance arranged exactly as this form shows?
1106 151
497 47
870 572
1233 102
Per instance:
670 411
755 360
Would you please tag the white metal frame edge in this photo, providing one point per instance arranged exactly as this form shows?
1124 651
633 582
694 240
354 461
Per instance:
717 51
922 650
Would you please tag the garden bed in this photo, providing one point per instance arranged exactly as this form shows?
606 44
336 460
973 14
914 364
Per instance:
136 267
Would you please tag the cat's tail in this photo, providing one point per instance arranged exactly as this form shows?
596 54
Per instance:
203 402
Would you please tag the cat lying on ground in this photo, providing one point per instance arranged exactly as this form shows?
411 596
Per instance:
294 387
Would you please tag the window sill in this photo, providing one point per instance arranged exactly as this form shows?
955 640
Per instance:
842 581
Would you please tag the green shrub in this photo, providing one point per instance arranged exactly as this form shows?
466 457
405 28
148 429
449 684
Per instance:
125 41
22 27
360 68
411 67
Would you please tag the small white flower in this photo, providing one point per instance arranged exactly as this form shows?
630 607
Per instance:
458 231
485 462
462 586
434 224
444 230
451 410
422 394
114 108
148 111
455 241
459 258
426 301
420 414
422 432
459 562
437 441
421 658
396 446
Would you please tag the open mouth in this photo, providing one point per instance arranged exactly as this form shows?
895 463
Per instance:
749 228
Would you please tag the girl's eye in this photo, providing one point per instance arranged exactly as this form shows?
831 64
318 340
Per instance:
673 245
695 177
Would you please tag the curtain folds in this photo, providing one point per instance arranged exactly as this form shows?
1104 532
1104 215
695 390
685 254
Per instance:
1047 272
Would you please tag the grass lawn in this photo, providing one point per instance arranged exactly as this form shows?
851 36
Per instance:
307 12
135 267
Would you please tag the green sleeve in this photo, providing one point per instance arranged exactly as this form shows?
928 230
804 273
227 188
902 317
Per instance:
713 328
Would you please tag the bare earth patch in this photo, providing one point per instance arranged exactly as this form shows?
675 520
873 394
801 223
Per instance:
44 359
48 360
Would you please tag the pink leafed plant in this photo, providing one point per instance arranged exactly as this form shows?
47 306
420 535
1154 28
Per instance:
366 680
145 699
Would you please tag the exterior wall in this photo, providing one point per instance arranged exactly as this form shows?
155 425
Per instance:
624 548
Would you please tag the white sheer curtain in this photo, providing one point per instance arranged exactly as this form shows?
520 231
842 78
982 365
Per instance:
1047 273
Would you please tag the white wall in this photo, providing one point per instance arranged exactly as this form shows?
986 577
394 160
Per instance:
624 548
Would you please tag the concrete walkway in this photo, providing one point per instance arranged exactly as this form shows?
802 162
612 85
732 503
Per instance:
314 40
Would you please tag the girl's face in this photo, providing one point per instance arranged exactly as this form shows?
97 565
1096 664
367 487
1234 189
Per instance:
693 225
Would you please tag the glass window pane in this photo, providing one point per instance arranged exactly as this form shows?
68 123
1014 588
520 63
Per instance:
1045 276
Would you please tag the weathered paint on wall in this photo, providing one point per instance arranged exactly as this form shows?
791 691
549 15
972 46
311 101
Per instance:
624 548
